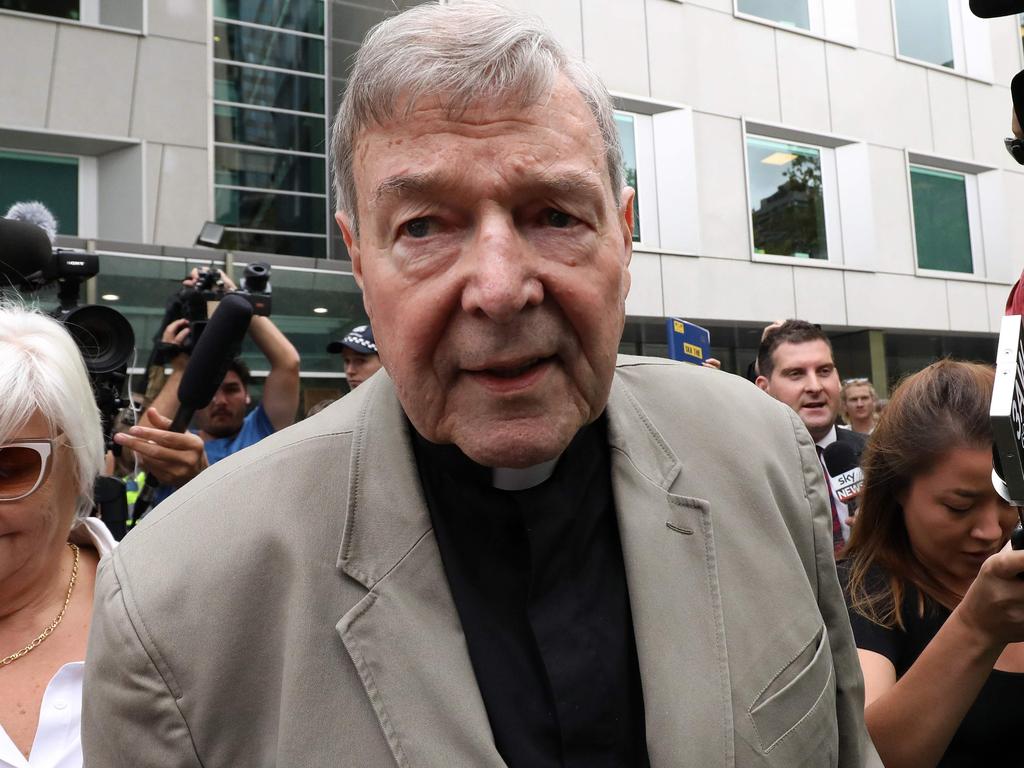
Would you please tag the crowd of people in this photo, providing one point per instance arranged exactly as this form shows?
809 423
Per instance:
513 547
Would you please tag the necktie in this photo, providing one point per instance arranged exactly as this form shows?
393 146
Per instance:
837 528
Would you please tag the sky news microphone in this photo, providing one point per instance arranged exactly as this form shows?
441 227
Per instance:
990 9
844 473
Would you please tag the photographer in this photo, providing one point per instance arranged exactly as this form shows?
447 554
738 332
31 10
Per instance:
222 428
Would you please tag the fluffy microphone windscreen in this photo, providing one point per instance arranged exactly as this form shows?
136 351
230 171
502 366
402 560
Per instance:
990 9
24 250
213 352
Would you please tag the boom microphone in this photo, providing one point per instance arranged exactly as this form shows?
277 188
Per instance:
990 9
844 473
211 357
25 253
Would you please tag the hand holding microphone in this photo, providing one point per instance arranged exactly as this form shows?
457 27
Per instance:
845 475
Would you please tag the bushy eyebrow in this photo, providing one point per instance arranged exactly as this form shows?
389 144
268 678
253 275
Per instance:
563 184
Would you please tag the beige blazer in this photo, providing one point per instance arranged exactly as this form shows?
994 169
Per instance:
290 608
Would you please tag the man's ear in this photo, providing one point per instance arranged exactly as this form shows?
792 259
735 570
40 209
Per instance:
352 244
762 382
628 224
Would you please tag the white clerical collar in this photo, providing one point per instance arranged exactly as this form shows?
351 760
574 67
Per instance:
509 479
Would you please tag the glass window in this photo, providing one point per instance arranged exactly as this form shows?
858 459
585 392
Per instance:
50 179
787 206
269 170
267 88
236 125
259 210
302 15
264 242
941 222
627 138
267 47
62 9
792 12
923 31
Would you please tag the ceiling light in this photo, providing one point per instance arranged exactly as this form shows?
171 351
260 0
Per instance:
320 310
779 158
110 297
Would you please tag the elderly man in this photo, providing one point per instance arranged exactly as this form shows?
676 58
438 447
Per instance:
506 549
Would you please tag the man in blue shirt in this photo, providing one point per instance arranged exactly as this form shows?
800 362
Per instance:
221 428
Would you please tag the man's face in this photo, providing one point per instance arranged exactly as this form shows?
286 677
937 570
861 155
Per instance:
224 415
860 404
358 366
493 259
806 380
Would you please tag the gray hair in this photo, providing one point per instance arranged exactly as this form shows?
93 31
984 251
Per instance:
462 54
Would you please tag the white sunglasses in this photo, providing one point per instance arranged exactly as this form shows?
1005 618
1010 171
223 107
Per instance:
24 466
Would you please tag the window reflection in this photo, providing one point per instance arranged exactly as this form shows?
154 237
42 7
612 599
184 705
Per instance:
626 125
259 210
62 9
787 205
301 15
791 12
270 48
266 88
941 222
234 125
923 31
268 170
51 179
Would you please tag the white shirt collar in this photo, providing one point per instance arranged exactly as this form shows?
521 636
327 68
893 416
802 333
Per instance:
828 439
508 479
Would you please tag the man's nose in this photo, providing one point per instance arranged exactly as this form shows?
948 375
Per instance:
813 383
503 279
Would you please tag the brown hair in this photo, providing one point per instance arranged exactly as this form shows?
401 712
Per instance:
791 332
940 408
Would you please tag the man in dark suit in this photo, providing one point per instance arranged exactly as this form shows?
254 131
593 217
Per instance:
797 368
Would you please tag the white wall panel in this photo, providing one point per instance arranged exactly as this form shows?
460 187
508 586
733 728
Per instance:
678 199
950 115
1004 37
994 232
896 301
615 43
697 60
878 99
181 19
26 49
722 289
820 295
122 195
977 43
874 25
92 81
968 306
997 296
183 203
645 297
153 164
857 217
803 83
890 198
841 20
172 102
990 107
721 185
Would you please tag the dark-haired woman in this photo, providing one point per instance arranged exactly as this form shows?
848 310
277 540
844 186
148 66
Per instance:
936 606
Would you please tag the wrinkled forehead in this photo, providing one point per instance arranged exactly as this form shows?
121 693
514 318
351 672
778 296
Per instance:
559 130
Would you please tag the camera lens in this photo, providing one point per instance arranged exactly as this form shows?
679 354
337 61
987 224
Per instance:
103 335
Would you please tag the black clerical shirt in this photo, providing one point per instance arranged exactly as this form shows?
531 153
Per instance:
540 587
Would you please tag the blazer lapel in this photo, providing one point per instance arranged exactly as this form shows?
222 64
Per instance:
669 552
404 637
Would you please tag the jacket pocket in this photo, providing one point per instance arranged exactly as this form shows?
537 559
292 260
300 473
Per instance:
793 695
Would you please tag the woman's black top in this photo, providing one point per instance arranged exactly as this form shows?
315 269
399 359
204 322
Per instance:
987 735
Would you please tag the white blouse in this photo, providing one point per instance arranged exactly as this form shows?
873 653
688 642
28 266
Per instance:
58 741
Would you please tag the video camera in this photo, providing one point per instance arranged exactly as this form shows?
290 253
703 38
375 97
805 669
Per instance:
103 335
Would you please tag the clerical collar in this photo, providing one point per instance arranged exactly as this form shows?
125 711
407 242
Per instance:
510 479
500 478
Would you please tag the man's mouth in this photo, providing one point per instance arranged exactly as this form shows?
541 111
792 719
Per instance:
513 374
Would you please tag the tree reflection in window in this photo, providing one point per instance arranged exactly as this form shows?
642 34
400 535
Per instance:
627 138
788 209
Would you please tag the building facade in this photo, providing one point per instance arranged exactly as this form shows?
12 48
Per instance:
841 161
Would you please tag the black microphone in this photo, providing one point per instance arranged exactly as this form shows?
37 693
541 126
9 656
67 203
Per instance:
211 357
25 254
990 9
844 473
204 373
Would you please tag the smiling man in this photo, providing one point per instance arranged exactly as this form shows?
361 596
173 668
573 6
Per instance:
509 547
797 368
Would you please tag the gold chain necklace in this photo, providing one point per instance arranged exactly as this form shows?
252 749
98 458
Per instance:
53 624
